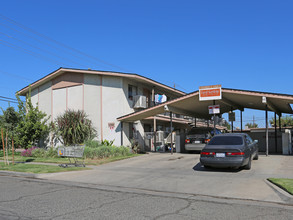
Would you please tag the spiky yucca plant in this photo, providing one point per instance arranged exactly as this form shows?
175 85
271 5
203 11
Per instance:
73 127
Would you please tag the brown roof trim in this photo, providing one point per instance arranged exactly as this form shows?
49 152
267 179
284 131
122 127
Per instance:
109 73
257 93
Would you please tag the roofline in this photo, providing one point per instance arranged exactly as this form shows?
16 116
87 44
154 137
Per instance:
268 94
263 93
99 72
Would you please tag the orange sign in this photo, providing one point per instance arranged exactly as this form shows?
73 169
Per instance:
210 93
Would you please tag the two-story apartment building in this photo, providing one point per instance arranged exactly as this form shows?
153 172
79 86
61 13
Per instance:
103 95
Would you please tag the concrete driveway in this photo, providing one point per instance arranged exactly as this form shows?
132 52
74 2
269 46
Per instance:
182 173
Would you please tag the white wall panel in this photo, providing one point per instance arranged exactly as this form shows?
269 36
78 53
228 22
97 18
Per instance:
59 102
75 96
34 97
45 98
92 97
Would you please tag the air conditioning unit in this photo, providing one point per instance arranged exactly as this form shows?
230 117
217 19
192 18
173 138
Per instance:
139 101
160 136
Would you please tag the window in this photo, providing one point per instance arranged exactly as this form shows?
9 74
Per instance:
132 91
248 140
226 140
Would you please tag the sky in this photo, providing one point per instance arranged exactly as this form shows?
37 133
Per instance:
187 43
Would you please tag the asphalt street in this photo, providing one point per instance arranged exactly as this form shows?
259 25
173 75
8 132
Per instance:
28 198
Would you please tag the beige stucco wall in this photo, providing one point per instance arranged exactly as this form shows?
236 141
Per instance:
103 98
92 97
45 93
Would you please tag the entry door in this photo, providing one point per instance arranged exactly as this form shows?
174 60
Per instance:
147 94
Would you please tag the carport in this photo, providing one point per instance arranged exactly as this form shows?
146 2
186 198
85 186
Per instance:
229 101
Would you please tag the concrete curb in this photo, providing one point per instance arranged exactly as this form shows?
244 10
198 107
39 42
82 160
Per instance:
287 197
18 174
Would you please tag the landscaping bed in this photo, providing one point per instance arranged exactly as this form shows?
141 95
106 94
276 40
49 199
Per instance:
283 183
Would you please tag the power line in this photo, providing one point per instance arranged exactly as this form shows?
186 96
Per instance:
8 98
16 76
8 101
46 51
58 43
6 43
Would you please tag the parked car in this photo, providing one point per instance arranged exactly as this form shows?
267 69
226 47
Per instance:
230 150
197 138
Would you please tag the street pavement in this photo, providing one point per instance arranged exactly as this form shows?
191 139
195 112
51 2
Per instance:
29 198
182 173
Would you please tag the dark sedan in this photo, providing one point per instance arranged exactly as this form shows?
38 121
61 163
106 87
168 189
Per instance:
230 150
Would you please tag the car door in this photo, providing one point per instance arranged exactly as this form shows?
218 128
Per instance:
249 144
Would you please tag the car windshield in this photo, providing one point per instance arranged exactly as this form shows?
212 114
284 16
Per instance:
226 140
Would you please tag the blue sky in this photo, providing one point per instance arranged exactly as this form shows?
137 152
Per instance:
239 44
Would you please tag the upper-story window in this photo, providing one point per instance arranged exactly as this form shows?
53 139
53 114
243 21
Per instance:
132 91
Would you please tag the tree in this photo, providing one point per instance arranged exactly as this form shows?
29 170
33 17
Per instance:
73 127
9 122
251 125
286 121
32 126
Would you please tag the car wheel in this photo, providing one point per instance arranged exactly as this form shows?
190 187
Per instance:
256 156
248 165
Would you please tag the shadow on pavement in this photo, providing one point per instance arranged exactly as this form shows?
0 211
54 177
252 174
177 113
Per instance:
199 167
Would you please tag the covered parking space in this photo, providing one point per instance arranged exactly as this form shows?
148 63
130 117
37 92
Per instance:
229 101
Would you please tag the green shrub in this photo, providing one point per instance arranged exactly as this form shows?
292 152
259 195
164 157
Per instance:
105 151
42 153
73 128
38 152
92 144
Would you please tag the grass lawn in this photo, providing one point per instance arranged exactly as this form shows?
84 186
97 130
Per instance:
36 168
285 184
65 160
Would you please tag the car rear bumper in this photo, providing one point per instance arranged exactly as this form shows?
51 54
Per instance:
190 147
223 162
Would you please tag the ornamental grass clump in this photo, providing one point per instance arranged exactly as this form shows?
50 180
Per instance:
73 128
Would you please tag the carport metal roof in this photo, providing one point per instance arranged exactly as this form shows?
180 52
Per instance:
232 99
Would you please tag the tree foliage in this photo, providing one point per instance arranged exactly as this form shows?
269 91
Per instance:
251 125
32 125
73 127
286 121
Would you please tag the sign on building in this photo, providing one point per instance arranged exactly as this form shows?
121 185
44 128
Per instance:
214 109
210 92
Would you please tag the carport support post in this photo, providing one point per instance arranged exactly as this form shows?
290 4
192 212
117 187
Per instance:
267 132
276 135
241 121
171 132
155 133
